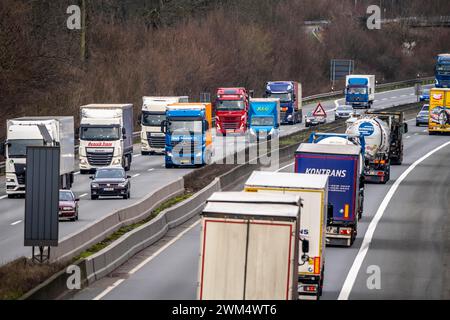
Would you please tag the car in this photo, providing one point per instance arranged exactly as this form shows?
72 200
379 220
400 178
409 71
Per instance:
311 120
343 112
425 96
68 205
423 115
110 182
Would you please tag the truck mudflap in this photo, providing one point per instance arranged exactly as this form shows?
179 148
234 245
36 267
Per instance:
341 235
310 287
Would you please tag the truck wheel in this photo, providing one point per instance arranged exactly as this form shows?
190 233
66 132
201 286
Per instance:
83 172
127 162
169 166
11 196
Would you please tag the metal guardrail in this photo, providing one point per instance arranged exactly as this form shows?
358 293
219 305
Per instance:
312 98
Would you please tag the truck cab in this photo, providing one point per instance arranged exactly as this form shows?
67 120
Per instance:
442 71
360 91
106 136
153 113
264 119
188 134
231 108
290 95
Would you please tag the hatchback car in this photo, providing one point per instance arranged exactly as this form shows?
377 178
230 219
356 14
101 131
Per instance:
68 205
423 116
311 120
343 112
110 182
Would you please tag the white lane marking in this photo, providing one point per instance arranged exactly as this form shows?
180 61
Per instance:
16 223
416 134
395 97
153 256
136 155
150 170
83 195
285 167
410 120
3 197
412 94
403 95
77 173
354 270
109 289
136 175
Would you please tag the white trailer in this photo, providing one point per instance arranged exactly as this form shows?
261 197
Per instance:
106 136
249 247
313 190
38 131
153 114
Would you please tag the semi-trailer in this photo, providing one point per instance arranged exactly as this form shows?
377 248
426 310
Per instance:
249 247
231 107
290 95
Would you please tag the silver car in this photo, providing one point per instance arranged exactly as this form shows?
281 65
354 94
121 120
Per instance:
343 112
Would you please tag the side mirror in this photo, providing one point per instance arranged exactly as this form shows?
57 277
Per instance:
128 177
77 200
405 127
91 177
139 122
164 126
305 246
124 131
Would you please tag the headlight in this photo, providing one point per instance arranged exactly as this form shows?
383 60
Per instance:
198 154
83 161
94 185
67 209
169 154
289 116
116 161
122 185
252 132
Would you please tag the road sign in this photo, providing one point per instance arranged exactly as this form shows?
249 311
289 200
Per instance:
319 111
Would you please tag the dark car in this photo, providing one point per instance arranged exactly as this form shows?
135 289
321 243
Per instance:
110 182
425 96
311 120
423 115
343 111
68 205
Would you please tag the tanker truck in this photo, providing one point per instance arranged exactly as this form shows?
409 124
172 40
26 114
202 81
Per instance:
383 135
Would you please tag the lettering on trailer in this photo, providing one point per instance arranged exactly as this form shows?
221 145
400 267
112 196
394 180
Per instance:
319 111
329 172
100 144
366 129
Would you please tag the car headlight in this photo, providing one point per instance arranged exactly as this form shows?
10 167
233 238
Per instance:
169 154
116 161
68 209
252 132
122 185
198 154
94 185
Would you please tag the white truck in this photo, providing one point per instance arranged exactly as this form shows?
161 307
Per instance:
106 136
38 131
313 190
249 247
360 90
153 114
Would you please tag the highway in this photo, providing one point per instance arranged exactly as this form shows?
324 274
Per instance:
408 241
148 175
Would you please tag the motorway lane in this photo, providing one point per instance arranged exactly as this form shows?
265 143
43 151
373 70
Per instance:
161 278
12 210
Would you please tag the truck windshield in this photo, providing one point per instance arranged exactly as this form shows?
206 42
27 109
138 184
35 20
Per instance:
153 119
18 148
443 68
262 121
185 126
284 97
357 90
224 105
99 133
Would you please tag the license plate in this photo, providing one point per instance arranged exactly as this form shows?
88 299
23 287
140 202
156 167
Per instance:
108 189
185 162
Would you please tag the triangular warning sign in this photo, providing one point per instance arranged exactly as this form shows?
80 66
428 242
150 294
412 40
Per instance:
319 111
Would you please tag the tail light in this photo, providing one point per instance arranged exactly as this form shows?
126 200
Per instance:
380 174
345 232
310 288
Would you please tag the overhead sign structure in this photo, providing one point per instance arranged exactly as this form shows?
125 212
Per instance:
319 111
42 200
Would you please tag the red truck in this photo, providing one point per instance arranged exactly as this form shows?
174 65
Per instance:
231 108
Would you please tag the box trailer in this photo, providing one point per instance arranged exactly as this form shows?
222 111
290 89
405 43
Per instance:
439 117
249 247
313 190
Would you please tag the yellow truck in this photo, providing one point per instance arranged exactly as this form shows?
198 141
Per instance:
439 117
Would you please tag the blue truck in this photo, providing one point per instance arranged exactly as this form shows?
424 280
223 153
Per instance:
264 119
442 71
188 134
360 91
290 95
342 164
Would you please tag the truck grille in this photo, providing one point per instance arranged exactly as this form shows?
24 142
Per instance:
21 178
231 123
283 115
156 142
192 145
99 159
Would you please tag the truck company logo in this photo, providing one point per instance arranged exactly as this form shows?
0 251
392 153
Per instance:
263 109
328 172
438 96
100 144
366 129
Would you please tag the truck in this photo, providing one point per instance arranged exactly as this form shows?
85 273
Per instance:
188 134
439 111
153 113
106 136
313 190
360 91
231 108
340 163
38 131
383 134
264 119
290 95
249 247
442 71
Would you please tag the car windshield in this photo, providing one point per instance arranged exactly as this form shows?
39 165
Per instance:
357 90
284 97
65 196
98 133
224 105
110 174
188 127
18 148
425 108
262 121
426 92
153 119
